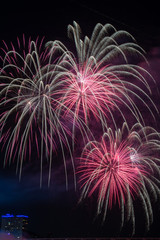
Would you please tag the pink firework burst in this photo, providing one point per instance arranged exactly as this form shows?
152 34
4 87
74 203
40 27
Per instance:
121 168
89 91
102 77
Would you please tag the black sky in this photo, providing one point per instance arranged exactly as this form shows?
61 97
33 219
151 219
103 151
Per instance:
54 209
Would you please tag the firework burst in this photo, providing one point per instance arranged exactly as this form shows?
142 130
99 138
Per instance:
123 167
103 76
30 104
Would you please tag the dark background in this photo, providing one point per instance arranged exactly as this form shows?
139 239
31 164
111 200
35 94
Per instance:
54 210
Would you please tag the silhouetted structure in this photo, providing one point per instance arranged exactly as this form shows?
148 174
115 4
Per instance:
14 225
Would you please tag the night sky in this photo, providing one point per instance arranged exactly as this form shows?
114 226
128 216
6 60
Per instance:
53 209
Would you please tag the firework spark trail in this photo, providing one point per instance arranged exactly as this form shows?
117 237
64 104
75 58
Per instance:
120 168
44 89
100 78
29 95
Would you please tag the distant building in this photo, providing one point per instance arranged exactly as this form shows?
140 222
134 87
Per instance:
14 225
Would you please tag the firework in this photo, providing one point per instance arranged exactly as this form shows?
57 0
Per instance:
103 76
30 104
123 167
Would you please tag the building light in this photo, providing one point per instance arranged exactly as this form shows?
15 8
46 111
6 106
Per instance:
22 216
7 216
